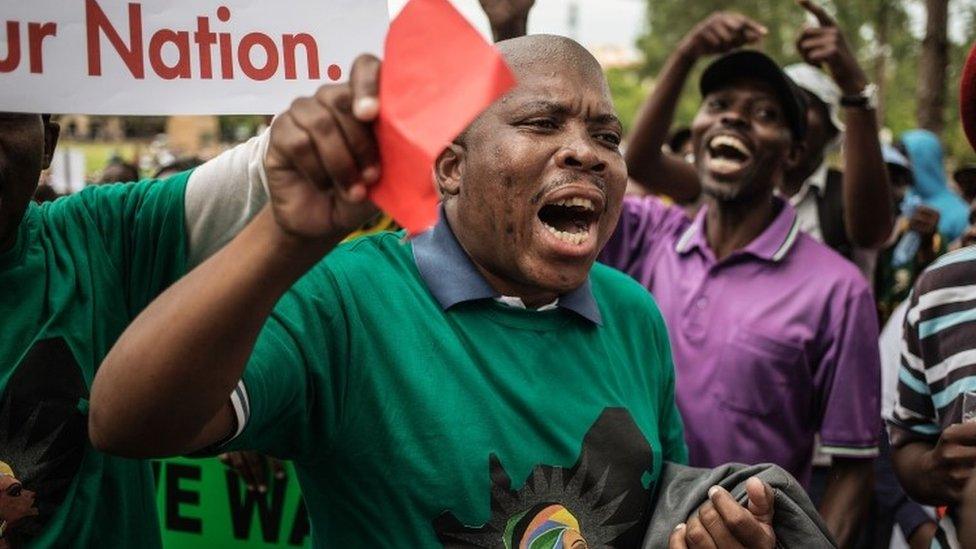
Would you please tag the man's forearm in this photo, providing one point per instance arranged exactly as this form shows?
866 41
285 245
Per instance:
202 331
847 498
646 162
867 193
510 29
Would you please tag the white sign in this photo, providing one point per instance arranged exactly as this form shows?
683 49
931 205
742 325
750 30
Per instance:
179 56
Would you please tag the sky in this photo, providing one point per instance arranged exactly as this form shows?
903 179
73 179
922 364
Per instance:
602 22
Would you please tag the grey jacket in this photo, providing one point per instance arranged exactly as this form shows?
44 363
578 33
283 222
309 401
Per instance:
682 490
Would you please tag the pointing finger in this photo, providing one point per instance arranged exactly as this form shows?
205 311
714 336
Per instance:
817 11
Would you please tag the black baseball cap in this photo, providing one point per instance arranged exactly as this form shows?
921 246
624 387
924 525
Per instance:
753 64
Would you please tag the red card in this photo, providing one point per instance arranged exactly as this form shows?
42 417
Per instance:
438 74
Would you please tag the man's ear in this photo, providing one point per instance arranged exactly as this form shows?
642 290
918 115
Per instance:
449 170
52 131
795 155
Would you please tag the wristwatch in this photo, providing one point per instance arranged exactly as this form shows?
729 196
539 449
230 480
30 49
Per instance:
867 99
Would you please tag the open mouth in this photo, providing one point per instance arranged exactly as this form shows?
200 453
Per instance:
571 219
727 154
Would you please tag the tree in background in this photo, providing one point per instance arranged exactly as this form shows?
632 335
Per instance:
933 66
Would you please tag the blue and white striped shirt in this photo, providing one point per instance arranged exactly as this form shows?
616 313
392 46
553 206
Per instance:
938 357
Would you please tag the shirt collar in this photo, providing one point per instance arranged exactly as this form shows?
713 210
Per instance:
452 278
818 181
771 245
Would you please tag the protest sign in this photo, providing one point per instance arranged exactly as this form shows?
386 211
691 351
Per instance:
188 57
203 504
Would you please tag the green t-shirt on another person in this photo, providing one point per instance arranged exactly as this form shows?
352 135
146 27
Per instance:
81 269
422 409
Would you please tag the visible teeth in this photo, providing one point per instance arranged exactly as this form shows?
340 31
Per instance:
572 238
574 202
724 165
730 141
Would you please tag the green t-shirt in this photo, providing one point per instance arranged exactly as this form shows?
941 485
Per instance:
410 425
81 269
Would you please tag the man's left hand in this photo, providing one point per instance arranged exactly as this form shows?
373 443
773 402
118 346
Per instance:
826 45
722 523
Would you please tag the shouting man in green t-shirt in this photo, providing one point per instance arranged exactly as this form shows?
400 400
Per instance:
73 273
484 385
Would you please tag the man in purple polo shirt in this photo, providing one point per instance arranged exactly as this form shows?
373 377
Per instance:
774 335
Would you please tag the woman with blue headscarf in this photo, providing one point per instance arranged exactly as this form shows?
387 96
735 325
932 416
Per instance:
925 152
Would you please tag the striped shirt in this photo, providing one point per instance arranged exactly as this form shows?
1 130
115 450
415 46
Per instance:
938 356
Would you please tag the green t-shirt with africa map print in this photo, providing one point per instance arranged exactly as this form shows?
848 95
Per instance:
479 426
81 269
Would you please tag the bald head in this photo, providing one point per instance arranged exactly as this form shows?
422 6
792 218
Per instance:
547 52
546 56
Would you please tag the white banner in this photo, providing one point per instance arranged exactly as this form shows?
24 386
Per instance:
179 56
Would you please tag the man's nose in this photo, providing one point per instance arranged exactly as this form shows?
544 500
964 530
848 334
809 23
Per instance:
733 119
581 155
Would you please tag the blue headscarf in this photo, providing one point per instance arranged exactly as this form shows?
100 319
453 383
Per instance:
925 152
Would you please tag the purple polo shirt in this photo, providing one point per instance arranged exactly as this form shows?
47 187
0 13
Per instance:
773 345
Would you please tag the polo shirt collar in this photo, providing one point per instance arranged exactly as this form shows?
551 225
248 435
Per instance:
813 187
453 278
771 245
818 181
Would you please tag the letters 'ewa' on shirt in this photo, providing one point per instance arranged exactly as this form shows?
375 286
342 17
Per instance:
772 345
421 411
81 269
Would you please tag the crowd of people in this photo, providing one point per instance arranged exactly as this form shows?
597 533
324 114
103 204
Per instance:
595 329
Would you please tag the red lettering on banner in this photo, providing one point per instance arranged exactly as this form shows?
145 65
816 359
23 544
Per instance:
131 52
182 67
205 40
244 56
290 43
12 60
36 33
226 57
95 21
335 72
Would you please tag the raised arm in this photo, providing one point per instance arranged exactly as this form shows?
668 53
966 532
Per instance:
867 192
648 165
164 388
508 18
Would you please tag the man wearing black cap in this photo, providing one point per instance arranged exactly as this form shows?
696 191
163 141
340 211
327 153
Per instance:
774 335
